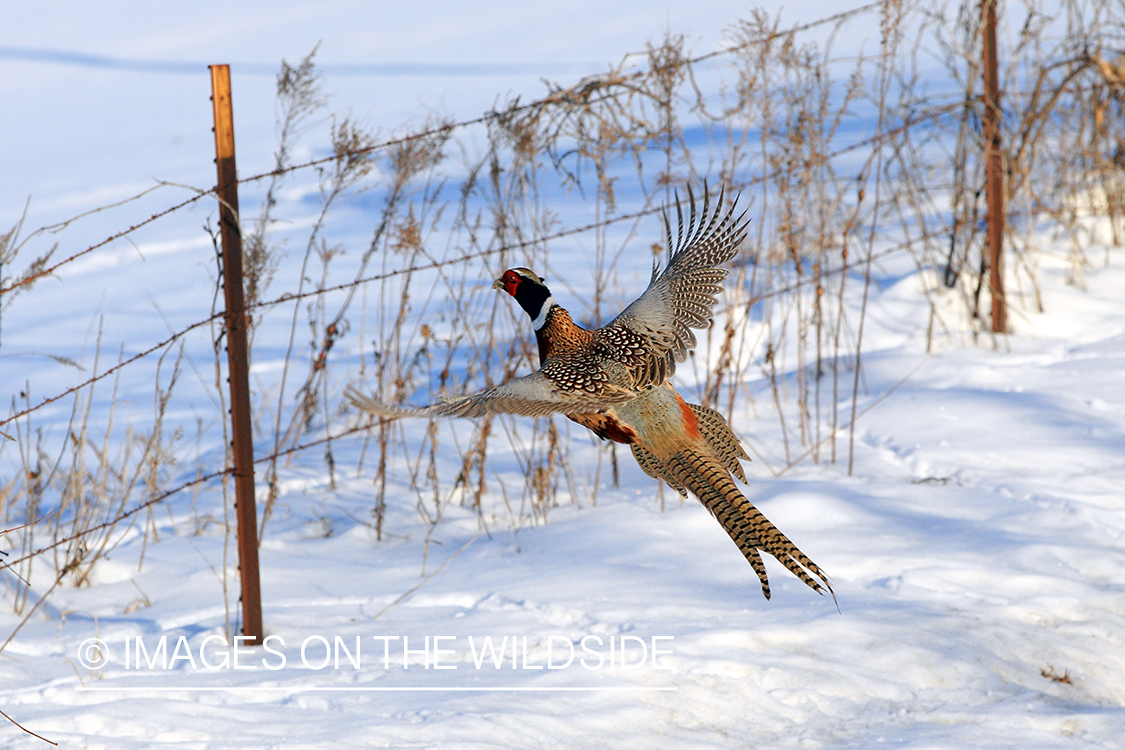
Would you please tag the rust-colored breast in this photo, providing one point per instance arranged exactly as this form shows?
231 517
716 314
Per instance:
560 335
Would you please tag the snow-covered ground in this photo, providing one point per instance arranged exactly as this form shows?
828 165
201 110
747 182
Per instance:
976 550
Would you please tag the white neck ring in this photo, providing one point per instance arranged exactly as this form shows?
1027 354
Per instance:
540 321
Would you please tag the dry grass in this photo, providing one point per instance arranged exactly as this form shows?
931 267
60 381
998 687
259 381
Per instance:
97 473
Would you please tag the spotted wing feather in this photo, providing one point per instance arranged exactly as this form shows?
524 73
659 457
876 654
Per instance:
654 332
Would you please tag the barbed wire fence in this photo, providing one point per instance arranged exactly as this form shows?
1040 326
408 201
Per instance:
780 127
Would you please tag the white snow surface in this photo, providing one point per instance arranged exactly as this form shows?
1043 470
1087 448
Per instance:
976 550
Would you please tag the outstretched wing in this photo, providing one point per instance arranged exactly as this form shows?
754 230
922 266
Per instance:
531 396
654 332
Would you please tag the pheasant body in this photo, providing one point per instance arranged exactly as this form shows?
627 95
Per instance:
613 381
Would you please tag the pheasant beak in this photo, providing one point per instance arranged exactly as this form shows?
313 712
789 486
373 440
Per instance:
499 283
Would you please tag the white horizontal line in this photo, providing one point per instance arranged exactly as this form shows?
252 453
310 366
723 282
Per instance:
362 689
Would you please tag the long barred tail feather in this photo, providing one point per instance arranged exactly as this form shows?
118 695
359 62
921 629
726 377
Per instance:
708 480
719 435
651 465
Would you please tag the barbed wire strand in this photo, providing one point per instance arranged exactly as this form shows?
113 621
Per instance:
179 488
115 368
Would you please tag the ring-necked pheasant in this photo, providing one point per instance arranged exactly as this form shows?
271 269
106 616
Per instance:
613 380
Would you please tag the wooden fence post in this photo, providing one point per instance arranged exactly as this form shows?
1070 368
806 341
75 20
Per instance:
994 177
238 373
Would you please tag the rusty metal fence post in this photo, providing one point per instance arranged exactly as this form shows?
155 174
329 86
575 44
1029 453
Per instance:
237 368
994 176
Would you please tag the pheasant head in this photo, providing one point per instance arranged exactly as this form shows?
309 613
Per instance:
530 291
